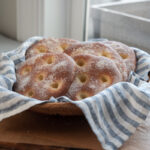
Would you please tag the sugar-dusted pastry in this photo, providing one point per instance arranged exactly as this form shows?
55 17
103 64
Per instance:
45 75
93 75
66 67
127 54
66 42
49 45
99 49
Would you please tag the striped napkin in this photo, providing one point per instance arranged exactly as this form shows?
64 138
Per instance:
113 114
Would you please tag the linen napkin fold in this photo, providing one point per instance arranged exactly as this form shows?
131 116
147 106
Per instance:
113 114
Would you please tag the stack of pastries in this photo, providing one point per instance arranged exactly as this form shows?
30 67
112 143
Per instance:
66 67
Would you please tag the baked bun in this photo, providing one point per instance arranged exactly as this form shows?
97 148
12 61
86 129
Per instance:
93 75
99 49
58 67
49 45
65 42
127 54
45 75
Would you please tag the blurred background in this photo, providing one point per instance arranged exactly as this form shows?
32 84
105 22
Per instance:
127 21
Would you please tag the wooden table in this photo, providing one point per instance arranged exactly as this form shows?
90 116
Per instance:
34 131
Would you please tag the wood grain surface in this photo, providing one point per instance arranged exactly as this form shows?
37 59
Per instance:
45 130
30 130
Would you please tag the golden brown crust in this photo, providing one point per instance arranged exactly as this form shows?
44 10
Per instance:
57 67
99 49
49 45
93 75
66 42
94 48
45 75
127 54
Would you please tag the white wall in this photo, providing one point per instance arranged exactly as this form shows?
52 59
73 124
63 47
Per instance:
55 18
22 19
8 24
47 18
78 19
65 18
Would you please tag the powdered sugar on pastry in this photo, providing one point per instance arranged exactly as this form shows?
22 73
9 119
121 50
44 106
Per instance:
37 80
92 79
127 54
98 49
49 45
58 67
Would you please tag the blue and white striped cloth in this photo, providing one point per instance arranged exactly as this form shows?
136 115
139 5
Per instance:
113 114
